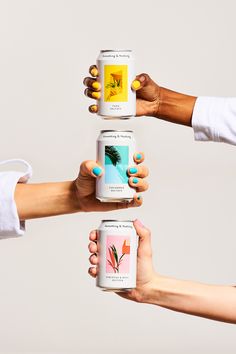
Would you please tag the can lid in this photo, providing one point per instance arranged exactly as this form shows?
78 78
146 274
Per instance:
115 50
119 131
107 220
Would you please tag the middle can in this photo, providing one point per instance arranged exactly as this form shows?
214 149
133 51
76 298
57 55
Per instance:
115 153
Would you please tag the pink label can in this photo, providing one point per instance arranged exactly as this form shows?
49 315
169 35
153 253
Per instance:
117 254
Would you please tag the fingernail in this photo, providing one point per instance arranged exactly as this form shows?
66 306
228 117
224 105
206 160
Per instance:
138 156
97 171
142 78
93 108
133 170
136 84
96 95
94 71
135 180
96 85
138 222
139 197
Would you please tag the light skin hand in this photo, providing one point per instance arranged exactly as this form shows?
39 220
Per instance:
51 199
145 271
151 99
210 301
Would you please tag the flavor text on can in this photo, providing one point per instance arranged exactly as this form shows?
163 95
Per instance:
117 255
115 152
116 73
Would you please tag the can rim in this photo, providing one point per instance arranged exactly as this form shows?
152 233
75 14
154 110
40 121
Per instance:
112 130
116 220
115 50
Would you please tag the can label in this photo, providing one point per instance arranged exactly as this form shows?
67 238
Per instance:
115 151
118 254
116 73
116 164
115 83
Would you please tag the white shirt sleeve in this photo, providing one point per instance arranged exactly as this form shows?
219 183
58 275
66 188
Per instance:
10 225
214 119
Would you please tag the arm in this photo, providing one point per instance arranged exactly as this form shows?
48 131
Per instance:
209 301
212 118
57 198
152 100
45 199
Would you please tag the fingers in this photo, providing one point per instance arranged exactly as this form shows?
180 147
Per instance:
93 108
93 87
93 70
93 249
93 236
141 81
138 183
93 259
90 168
92 84
93 272
92 94
139 157
138 171
146 88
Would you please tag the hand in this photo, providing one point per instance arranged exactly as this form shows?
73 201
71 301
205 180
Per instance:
148 93
145 272
151 99
86 183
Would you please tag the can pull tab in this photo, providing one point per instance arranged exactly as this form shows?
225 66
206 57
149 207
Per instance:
25 175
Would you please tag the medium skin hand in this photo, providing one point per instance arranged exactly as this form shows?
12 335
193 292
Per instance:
209 301
152 100
51 199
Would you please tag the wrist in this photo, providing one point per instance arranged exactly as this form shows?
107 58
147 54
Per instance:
74 202
152 291
175 107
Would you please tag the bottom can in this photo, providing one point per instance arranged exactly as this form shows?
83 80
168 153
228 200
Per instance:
117 255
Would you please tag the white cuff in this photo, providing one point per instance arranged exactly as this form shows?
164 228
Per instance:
214 119
10 225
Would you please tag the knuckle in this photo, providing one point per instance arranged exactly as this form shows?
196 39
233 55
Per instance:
145 75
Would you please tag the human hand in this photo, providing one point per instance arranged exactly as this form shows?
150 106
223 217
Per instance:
86 186
147 93
145 272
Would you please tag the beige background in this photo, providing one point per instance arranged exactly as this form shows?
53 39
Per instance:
48 304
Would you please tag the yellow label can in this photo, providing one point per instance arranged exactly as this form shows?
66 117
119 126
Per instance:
116 73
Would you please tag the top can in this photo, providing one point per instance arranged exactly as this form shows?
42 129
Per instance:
116 74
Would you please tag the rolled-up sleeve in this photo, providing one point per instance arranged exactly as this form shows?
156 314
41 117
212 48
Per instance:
214 119
10 225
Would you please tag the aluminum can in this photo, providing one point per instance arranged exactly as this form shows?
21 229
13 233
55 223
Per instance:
117 255
115 151
116 73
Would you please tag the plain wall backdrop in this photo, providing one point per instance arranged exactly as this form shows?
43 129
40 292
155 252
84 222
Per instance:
48 303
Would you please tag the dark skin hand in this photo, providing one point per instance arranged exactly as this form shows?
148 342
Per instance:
152 100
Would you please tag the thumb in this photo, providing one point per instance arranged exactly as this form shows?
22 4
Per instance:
146 88
90 168
144 234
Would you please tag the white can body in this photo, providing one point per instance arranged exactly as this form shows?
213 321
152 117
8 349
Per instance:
116 73
117 255
115 151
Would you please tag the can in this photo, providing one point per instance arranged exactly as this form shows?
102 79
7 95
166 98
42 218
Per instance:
115 151
116 73
117 255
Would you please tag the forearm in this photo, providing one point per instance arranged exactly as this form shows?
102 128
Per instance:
210 301
176 107
45 199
